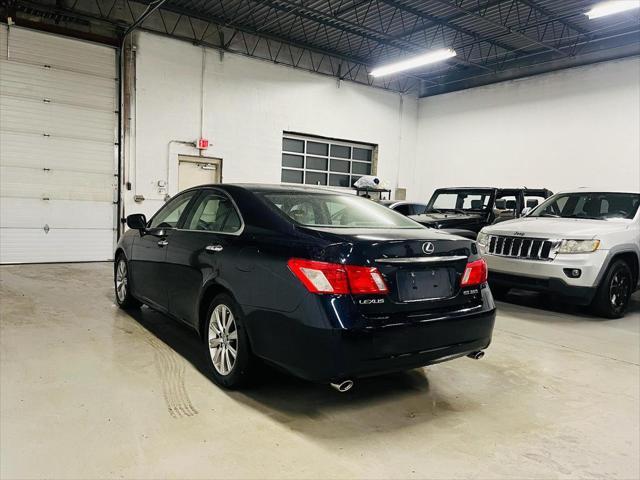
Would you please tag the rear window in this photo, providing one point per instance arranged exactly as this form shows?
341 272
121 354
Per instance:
338 211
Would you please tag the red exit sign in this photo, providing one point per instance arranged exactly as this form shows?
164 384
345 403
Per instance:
203 143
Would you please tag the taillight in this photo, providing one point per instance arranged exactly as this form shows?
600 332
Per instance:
363 280
324 277
475 273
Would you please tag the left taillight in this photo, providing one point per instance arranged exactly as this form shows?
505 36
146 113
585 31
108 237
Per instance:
475 273
325 277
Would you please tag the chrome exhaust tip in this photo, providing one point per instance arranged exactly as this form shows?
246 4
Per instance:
476 355
343 386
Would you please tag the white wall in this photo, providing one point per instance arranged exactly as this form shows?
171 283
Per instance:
248 104
577 127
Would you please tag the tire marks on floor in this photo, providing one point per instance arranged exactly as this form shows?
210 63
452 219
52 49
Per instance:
171 371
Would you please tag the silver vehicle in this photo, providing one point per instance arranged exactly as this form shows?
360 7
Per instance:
583 245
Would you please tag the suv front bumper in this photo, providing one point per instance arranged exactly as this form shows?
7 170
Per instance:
549 276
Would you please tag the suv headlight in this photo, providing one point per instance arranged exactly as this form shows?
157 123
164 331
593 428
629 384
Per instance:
578 246
482 239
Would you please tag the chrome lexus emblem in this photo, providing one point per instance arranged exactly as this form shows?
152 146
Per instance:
428 248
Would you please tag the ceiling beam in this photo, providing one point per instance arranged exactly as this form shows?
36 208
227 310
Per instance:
474 14
298 8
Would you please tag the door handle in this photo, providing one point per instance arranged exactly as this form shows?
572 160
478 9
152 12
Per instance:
163 243
213 248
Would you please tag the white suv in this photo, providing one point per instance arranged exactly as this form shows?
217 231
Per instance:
583 245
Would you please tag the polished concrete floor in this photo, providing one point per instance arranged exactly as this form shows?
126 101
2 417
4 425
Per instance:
89 391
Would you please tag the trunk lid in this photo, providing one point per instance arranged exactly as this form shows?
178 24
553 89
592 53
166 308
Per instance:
421 267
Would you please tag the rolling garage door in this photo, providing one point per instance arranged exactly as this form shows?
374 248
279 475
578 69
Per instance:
58 163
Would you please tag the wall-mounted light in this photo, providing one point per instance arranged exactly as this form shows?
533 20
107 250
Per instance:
609 8
414 62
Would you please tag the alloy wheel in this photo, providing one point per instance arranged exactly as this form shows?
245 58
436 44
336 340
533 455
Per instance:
121 280
619 290
223 339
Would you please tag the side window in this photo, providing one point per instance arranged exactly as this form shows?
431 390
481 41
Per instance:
169 215
215 213
419 209
404 209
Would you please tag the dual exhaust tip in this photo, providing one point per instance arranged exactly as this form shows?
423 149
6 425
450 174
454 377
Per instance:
343 386
346 385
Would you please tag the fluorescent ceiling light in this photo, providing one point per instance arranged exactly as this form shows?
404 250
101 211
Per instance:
609 8
414 62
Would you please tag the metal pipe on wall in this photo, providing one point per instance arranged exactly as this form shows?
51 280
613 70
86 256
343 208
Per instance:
202 78
152 7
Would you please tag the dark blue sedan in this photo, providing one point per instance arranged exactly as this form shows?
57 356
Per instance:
325 285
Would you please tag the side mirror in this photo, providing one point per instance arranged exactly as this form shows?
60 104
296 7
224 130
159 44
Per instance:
525 211
137 221
501 204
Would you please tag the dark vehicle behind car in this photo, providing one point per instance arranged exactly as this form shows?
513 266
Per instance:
327 286
404 207
465 211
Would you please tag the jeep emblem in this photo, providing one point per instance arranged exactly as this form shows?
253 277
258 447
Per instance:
519 234
428 248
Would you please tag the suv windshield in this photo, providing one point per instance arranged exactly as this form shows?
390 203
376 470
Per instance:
335 210
591 205
460 200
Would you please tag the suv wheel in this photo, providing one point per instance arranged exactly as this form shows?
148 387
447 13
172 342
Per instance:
614 291
228 353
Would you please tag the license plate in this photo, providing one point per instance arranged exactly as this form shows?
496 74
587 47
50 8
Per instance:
425 284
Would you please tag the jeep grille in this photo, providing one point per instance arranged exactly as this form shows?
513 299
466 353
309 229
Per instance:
523 247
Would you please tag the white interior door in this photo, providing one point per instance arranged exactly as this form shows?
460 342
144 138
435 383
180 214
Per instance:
58 164
194 171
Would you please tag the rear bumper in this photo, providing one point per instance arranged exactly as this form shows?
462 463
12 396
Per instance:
578 295
330 354
386 349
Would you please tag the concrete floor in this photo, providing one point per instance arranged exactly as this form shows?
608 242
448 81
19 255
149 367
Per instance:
90 391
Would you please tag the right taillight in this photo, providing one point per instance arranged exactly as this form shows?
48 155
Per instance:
475 273
324 277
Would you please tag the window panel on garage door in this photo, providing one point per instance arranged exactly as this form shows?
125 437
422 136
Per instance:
57 163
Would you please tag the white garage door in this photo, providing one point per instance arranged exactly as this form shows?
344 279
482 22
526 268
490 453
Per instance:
58 163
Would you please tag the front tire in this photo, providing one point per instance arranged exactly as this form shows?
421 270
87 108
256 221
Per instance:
614 291
121 280
227 345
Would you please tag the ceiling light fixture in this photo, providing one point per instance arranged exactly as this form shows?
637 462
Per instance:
414 62
609 8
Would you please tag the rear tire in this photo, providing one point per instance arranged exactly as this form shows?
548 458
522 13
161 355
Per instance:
614 292
229 356
121 281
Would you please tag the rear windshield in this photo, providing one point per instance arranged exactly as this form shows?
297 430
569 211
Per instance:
592 205
335 210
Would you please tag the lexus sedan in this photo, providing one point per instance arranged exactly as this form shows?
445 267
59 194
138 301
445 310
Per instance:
327 286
